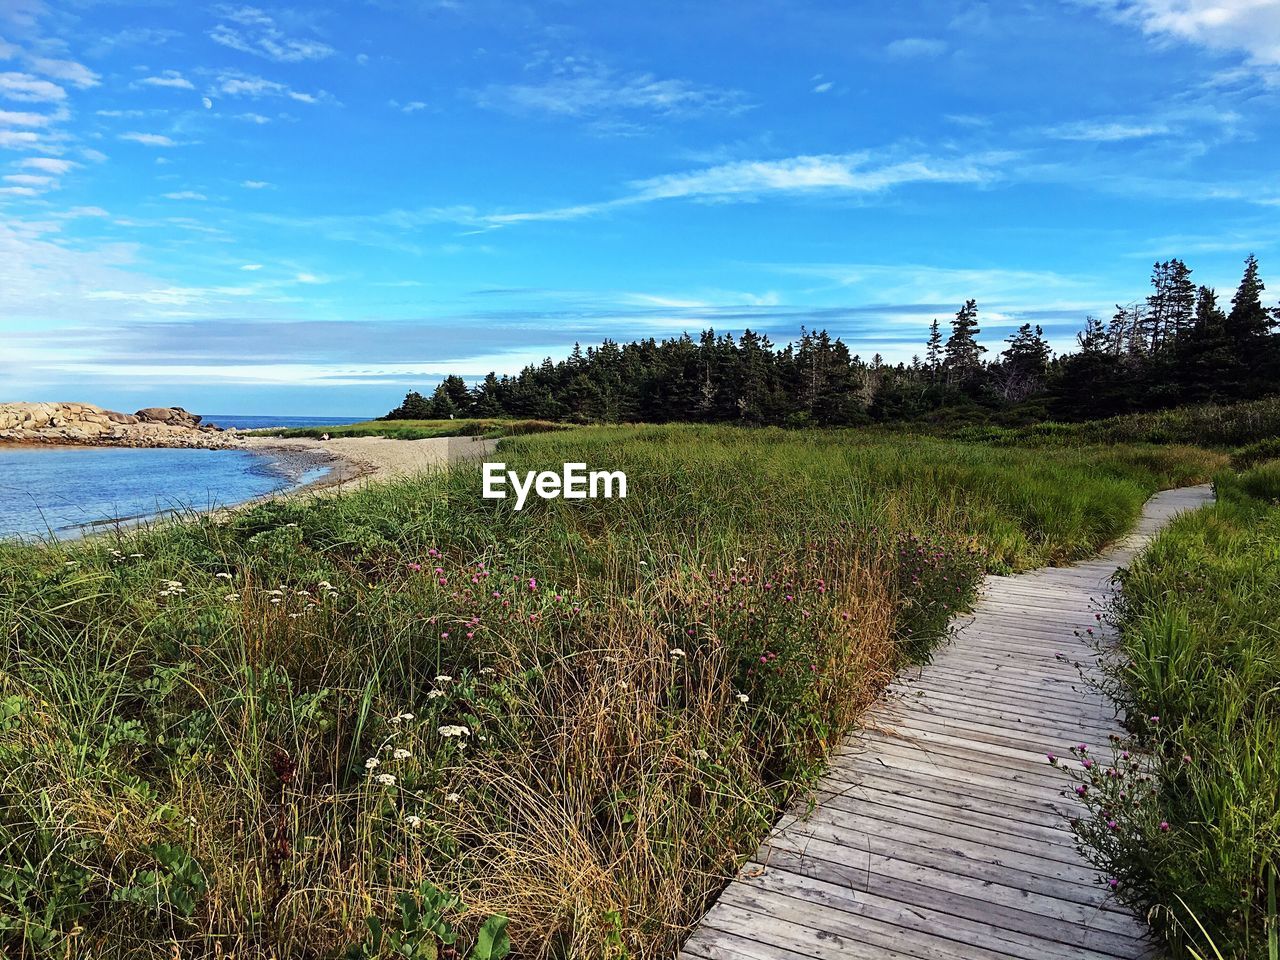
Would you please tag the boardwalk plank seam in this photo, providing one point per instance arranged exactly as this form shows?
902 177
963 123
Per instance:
938 830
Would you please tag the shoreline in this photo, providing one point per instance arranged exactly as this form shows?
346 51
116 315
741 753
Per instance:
348 463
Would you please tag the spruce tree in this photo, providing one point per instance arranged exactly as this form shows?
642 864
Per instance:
963 353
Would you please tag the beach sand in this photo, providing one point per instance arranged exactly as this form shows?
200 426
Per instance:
354 462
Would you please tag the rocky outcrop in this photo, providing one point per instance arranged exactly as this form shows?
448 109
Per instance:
84 423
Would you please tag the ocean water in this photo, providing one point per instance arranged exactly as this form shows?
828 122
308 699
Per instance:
65 491
243 422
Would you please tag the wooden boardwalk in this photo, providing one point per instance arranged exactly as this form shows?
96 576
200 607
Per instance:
940 831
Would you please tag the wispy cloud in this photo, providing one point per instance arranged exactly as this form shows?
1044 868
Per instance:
185 195
255 184
23 118
149 139
1250 28
26 88
851 174
1107 131
413 106
169 78
253 31
909 48
578 87
233 83
67 71
52 165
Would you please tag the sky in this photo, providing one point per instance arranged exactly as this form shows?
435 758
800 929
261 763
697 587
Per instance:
312 208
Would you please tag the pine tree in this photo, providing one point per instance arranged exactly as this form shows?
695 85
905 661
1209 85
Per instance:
963 353
933 349
1248 320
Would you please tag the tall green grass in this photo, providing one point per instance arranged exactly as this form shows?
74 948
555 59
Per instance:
492 428
1191 829
260 733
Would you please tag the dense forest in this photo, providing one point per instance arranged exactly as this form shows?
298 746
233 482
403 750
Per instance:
1179 345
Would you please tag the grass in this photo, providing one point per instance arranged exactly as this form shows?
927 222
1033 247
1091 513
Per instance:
1190 830
1254 426
419 429
276 732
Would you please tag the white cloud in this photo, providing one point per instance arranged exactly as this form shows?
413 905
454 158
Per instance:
233 83
253 31
413 106
20 191
1107 131
251 266
912 47
169 78
1248 27
255 184
855 174
15 118
19 140
823 87
309 278
8 50
149 139
253 118
68 71
185 195
92 155
47 164
28 89
30 180
584 88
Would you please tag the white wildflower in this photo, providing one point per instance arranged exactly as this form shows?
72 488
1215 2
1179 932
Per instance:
453 798
443 678
275 599
372 763
701 755
488 671
677 652
385 780
434 694
401 754
413 821
453 730
231 597
223 575
743 698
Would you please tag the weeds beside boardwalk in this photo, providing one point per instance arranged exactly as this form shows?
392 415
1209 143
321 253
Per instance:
1188 824
253 735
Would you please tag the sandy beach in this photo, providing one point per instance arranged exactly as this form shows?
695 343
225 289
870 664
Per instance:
354 462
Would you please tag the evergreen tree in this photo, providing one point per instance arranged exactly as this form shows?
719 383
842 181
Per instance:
933 350
963 354
1023 364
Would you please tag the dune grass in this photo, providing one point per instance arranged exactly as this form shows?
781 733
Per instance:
294 729
492 428
1195 843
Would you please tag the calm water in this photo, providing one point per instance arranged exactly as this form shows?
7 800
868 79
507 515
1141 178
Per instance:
59 489
240 422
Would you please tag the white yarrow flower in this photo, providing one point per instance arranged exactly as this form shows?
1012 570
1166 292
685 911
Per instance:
385 780
400 753
453 730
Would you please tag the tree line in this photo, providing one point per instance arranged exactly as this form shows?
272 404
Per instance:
1179 345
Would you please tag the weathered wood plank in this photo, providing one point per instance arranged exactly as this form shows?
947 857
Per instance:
939 831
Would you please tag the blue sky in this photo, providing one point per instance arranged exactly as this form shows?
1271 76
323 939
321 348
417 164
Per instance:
312 208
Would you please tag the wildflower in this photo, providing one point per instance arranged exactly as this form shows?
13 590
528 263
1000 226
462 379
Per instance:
1052 758
677 652
231 597
743 698
413 821
385 780
1113 883
453 730
1164 826
453 798
444 677
701 755
1154 718
275 599
487 671
1186 758
324 585
415 567
644 563
435 694
1081 790
1112 825
372 763
223 575
401 753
